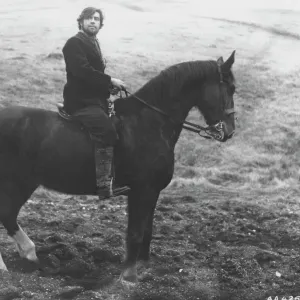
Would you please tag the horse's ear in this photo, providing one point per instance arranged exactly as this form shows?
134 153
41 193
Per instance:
220 61
229 62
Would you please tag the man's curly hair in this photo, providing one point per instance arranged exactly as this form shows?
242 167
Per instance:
88 12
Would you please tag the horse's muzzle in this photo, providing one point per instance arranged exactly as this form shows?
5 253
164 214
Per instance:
219 132
216 131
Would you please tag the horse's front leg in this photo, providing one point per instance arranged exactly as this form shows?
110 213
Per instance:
144 253
141 204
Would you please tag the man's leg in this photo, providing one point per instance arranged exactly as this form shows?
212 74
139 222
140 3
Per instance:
104 136
99 125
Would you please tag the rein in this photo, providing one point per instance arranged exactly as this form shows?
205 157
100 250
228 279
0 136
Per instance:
211 131
186 125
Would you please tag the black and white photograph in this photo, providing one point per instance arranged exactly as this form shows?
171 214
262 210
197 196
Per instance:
150 150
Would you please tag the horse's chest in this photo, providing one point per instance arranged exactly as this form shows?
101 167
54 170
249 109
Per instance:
150 157
157 165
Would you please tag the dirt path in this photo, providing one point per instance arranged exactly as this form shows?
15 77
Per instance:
211 245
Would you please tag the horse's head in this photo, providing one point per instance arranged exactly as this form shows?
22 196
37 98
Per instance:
216 101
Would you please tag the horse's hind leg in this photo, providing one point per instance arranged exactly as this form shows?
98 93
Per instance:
25 245
11 200
2 264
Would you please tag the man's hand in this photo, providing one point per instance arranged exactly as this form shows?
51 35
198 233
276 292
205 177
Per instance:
118 83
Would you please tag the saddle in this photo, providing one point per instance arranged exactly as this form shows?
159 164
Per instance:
62 113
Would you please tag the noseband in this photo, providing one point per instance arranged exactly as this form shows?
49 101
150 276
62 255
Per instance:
215 131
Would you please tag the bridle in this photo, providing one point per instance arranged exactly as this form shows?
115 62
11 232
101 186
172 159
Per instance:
215 131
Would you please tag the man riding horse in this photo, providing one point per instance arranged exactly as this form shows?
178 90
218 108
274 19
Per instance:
86 95
37 145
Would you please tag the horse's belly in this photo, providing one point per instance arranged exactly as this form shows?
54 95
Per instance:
71 173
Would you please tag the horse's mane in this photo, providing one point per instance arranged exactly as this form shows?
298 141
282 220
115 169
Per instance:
168 83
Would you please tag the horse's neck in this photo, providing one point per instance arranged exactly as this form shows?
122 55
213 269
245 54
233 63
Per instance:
177 109
174 106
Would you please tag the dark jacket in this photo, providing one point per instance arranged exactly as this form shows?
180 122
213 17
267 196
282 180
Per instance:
86 82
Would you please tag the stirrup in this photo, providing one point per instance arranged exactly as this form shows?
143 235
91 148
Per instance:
106 194
122 190
108 191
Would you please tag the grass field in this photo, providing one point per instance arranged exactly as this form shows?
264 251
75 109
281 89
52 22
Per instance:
228 226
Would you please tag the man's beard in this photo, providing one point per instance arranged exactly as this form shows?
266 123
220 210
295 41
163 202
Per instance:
90 33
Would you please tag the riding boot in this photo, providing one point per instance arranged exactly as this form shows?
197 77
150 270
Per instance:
106 187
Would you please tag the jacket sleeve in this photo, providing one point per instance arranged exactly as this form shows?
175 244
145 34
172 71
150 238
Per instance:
78 64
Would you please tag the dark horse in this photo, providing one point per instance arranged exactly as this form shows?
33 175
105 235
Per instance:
38 147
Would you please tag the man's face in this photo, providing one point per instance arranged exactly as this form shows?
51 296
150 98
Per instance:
91 25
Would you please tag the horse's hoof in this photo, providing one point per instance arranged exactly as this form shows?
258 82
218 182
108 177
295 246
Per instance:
32 264
128 283
144 263
35 261
3 270
129 276
3 267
